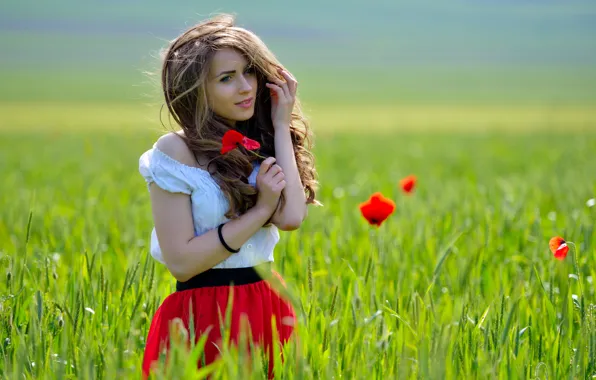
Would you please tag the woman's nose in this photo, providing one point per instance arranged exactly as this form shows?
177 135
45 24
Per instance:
245 85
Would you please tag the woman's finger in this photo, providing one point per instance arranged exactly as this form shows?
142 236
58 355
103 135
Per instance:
287 90
280 186
277 89
279 177
274 170
266 164
283 84
287 86
292 82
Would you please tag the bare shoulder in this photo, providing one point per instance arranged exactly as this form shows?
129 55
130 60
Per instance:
174 146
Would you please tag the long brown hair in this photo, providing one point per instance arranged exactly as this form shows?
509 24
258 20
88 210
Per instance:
186 63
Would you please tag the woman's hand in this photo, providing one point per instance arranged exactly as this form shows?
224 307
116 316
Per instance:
270 183
283 97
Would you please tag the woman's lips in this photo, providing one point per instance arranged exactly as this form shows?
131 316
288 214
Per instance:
245 104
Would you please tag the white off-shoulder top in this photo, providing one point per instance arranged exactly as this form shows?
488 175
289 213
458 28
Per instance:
209 206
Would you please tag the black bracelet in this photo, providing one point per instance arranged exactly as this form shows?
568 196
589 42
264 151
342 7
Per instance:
221 239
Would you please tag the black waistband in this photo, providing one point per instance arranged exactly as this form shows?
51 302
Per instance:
225 277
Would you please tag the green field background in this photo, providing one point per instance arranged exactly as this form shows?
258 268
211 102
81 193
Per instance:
492 104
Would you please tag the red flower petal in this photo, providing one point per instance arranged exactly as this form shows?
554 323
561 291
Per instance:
561 253
250 144
407 184
231 139
377 209
558 247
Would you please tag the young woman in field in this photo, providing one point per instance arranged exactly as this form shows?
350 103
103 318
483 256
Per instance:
217 215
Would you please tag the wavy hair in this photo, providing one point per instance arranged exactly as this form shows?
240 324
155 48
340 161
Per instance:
186 64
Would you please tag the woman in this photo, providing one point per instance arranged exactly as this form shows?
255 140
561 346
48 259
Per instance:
217 211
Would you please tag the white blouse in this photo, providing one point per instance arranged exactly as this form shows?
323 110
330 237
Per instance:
208 205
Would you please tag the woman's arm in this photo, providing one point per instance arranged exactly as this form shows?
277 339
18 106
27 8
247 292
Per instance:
283 98
295 209
185 254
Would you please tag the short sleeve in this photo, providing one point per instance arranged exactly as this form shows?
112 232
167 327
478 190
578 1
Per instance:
155 249
167 173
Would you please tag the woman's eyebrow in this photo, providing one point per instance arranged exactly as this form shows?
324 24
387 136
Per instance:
231 71
226 72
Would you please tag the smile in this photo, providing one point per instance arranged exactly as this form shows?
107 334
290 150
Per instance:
245 104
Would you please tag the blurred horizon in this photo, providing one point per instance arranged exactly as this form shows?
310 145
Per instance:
505 52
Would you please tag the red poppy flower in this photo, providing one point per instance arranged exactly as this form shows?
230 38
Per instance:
232 139
558 247
377 209
407 184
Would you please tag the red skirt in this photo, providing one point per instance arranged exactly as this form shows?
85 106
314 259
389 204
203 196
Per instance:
206 298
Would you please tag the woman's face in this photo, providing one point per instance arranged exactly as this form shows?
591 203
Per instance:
231 86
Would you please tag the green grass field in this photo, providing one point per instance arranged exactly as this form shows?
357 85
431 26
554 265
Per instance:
492 105
459 282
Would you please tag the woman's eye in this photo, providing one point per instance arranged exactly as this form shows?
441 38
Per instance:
225 79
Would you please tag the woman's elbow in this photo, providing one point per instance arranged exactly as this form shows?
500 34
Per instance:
180 276
290 223
179 272
289 226
177 267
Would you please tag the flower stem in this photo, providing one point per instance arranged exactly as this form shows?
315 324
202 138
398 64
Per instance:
576 266
258 155
374 236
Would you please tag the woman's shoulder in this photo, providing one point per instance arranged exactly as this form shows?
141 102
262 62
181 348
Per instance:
171 164
172 144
